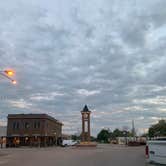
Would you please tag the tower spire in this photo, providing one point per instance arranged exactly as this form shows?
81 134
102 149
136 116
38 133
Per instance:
85 109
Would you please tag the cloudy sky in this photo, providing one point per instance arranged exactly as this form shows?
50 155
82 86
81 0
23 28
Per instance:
108 54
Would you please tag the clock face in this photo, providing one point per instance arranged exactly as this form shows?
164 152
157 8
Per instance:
86 116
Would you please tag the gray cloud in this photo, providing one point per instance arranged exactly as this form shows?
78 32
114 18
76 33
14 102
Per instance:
70 54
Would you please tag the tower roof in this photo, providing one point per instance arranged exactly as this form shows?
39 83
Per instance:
86 109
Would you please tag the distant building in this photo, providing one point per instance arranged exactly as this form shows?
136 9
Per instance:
3 131
33 130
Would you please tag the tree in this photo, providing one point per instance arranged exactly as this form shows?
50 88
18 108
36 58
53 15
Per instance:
103 136
76 137
117 133
158 129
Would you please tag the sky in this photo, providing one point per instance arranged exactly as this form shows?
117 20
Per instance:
108 54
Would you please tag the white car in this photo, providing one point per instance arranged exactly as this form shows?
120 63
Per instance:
156 151
69 142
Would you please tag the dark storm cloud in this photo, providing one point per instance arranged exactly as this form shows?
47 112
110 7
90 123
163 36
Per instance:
110 55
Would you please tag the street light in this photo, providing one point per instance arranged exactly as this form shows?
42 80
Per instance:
7 74
14 82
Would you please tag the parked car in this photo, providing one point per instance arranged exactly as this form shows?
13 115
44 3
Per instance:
69 143
156 151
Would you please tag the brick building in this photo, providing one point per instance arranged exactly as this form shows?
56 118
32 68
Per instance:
33 130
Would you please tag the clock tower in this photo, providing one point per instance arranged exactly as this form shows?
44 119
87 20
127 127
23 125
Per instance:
85 124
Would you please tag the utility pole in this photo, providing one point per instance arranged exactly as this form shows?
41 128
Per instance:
133 130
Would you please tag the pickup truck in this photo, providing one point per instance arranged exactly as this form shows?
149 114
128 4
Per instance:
156 151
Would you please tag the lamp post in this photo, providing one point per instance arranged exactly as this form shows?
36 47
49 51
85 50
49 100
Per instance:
7 74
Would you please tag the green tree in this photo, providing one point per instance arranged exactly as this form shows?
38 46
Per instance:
158 129
121 133
76 137
117 133
103 136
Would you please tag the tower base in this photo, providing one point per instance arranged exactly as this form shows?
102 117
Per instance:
87 144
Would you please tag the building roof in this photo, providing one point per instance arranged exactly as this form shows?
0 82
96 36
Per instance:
33 116
85 109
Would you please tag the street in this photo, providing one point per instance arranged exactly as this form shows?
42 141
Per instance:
103 155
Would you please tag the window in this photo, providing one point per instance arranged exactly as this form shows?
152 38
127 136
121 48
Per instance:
16 125
27 125
37 125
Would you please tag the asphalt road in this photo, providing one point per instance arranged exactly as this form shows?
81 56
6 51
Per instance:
103 155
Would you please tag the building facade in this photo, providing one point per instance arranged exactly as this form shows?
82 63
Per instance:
33 130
